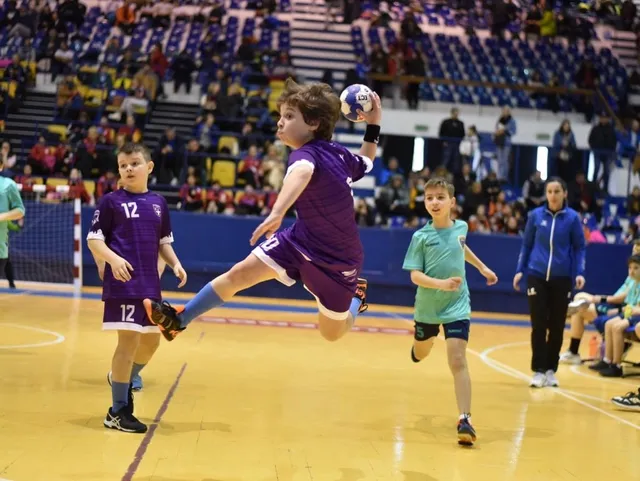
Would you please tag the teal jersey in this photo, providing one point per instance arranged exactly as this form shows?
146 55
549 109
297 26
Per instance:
633 292
439 253
628 283
9 199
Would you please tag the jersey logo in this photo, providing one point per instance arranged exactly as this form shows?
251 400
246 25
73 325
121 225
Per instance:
531 291
96 217
543 223
157 210
462 240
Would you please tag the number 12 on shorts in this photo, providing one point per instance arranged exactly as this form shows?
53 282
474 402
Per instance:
127 312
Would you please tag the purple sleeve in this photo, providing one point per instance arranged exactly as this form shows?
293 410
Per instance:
102 221
166 235
360 164
301 157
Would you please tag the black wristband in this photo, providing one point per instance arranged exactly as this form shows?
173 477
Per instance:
621 309
372 134
603 300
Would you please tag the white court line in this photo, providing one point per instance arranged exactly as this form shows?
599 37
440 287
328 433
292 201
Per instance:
58 338
576 370
510 371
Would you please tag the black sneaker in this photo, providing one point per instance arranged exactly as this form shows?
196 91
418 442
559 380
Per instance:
466 433
629 402
599 366
165 317
361 293
124 421
611 371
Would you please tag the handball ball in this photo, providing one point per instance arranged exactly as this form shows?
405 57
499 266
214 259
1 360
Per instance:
356 97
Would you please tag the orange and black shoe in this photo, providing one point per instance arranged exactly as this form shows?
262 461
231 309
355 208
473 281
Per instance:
466 433
164 316
361 293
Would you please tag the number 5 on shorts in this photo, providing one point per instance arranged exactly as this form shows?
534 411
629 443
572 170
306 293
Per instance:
127 312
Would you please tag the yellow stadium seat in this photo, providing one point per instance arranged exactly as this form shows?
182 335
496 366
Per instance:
38 180
94 97
59 130
276 84
89 69
56 181
90 185
229 142
224 172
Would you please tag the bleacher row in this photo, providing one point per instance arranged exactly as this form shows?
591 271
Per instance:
497 61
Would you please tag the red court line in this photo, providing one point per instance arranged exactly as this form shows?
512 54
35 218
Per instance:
299 325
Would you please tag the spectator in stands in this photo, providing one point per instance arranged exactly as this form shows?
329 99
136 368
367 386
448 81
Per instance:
592 234
136 100
547 22
87 154
250 168
106 133
630 142
393 199
249 202
63 61
206 131
469 149
532 28
220 201
451 133
586 77
365 216
191 196
183 67
25 23
505 130
491 187
72 11
379 61
463 181
603 142
131 132
413 65
162 14
168 157
563 152
194 163
628 13
77 189
272 169
106 184
392 169
159 65
7 160
500 18
126 17
148 80
582 194
533 191
248 137
42 158
112 52
633 202
209 100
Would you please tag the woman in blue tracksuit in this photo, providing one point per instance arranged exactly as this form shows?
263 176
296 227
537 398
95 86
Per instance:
552 256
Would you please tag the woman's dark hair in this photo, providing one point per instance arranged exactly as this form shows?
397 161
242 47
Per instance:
551 180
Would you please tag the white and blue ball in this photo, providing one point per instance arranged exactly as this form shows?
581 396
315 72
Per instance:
356 97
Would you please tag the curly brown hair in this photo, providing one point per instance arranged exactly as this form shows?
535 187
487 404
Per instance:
317 103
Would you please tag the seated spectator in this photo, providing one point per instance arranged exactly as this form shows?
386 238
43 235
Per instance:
169 157
87 154
219 200
106 133
137 99
592 234
249 202
248 137
209 100
130 130
25 23
191 196
148 80
126 17
269 197
194 163
183 67
7 159
633 201
42 158
582 194
474 199
365 216
272 169
533 191
249 169
26 179
463 181
162 14
393 200
78 189
387 173
106 184
206 132
63 60
491 187
102 79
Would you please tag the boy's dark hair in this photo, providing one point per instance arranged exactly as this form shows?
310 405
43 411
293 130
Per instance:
134 148
317 103
634 260
436 182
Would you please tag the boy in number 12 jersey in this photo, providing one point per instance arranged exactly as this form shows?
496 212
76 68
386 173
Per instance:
129 231
436 258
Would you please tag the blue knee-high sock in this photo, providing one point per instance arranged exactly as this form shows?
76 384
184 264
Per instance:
135 370
355 305
120 395
205 300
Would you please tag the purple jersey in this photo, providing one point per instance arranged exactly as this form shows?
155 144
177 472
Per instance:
326 231
133 226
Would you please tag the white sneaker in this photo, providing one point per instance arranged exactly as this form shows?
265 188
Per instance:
538 380
551 379
570 358
577 306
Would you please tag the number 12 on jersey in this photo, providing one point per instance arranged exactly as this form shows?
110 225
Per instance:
127 312
130 210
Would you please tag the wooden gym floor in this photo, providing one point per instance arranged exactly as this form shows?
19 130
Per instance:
255 394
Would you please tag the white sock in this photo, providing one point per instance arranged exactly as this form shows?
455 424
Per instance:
466 415
608 361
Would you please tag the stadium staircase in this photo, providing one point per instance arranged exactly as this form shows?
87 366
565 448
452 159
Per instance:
32 117
169 114
314 49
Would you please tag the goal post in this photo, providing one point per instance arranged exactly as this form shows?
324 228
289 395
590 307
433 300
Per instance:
46 250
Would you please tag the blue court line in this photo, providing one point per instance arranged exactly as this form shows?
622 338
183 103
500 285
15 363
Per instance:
271 307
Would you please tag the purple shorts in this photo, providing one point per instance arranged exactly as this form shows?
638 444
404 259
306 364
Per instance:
333 289
126 315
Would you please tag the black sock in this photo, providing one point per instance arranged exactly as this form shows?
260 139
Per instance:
413 356
574 346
